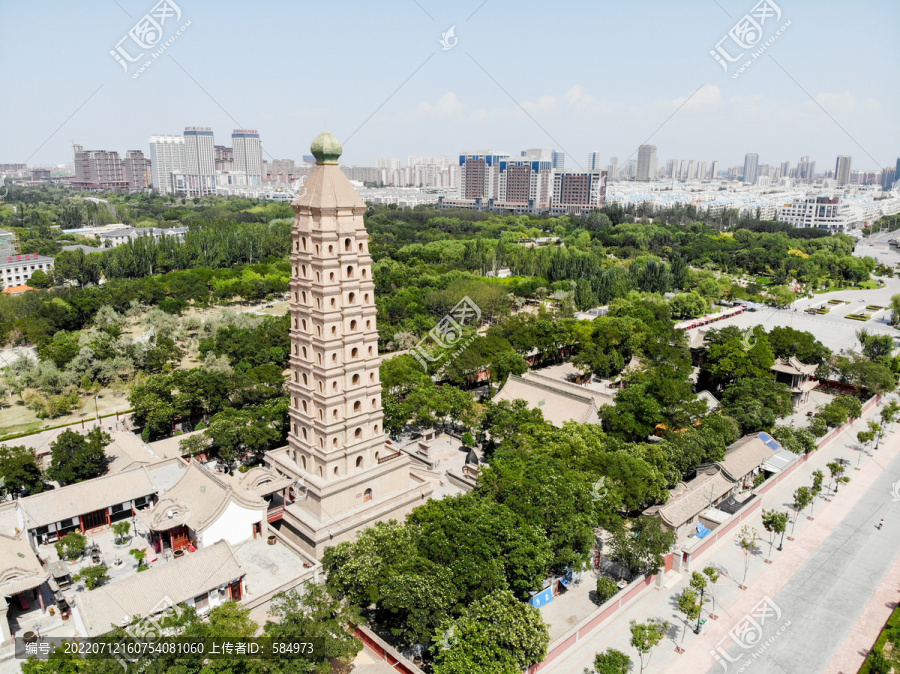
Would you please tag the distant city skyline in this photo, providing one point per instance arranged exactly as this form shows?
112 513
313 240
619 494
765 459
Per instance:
388 88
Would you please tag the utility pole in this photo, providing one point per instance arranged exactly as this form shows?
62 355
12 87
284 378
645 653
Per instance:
96 410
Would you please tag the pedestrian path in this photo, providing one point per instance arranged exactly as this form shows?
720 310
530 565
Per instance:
830 576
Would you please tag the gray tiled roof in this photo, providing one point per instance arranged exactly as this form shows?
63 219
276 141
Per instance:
160 586
101 492
558 406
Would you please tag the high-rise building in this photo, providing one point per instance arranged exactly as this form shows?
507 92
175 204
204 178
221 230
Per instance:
842 169
701 170
691 169
888 177
248 156
785 171
98 168
390 163
479 175
612 169
646 162
575 190
806 169
714 170
594 162
559 160
224 158
524 182
751 164
136 170
672 169
344 473
166 160
199 161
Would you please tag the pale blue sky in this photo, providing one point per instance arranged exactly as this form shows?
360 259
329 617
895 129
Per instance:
594 75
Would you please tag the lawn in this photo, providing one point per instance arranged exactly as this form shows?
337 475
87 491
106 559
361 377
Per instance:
893 621
17 419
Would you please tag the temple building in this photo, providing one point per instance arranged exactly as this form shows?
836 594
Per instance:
346 474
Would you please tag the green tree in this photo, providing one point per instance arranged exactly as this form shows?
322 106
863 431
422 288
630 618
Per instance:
802 498
77 457
876 348
140 556
698 584
689 608
688 305
39 279
120 530
19 471
755 403
610 661
816 489
642 548
71 546
889 413
712 574
797 440
313 614
93 576
646 636
836 469
496 635
747 543
895 310
774 522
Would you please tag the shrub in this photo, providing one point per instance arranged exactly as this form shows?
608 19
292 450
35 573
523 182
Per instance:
606 589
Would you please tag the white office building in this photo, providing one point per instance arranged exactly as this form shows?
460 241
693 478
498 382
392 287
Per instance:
751 168
842 169
646 162
199 161
166 159
16 270
594 161
247 154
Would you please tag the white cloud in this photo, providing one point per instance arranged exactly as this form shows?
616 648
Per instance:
837 103
544 104
449 105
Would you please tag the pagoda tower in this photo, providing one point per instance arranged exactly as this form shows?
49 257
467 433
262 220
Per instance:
346 476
